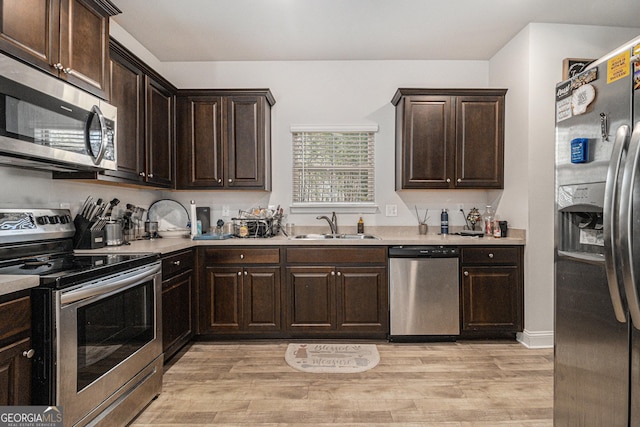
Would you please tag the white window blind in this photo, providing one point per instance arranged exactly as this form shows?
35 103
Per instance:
333 166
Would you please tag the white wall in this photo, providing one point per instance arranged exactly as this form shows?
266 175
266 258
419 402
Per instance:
338 92
530 65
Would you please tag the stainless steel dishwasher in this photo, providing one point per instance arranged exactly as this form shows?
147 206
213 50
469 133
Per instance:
424 293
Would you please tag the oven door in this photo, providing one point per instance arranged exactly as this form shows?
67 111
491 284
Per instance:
108 332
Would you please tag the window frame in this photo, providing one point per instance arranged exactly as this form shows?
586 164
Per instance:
344 207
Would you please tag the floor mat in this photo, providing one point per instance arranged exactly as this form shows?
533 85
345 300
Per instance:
332 358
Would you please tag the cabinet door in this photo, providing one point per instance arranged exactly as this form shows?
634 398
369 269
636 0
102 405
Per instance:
127 94
246 142
15 374
261 299
159 139
479 141
362 299
427 142
490 299
84 47
177 313
200 151
220 300
311 300
29 30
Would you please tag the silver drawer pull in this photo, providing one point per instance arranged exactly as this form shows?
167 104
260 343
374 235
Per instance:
29 353
466 273
241 256
176 262
490 255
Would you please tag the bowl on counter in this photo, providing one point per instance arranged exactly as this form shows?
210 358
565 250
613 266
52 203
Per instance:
174 233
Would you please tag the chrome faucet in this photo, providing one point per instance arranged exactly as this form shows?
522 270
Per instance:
333 222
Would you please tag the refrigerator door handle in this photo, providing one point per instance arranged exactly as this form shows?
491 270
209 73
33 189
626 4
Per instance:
626 226
611 201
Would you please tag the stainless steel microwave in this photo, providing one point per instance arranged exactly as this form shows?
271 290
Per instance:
46 123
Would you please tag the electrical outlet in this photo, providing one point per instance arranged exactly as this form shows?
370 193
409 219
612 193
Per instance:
391 210
225 211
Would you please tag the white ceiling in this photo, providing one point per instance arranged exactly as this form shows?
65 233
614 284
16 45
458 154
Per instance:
271 30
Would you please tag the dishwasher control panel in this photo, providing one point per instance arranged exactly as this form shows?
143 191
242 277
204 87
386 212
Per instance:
432 251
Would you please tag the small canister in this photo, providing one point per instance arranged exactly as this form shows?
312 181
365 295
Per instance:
113 233
503 228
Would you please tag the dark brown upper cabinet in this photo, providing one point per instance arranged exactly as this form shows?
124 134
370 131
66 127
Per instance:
449 138
145 133
67 38
224 139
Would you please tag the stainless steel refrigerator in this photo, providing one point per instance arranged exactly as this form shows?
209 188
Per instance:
597 244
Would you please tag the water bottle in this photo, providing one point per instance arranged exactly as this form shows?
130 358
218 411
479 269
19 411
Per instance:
444 222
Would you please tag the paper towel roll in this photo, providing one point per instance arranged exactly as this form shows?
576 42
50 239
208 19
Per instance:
194 228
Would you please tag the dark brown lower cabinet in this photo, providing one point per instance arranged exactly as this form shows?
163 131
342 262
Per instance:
178 302
239 291
347 296
492 290
15 349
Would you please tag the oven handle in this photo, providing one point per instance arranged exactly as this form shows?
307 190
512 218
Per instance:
111 284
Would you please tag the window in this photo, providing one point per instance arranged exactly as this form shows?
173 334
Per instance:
333 166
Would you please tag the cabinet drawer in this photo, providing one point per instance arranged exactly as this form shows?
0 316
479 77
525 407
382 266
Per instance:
337 255
15 317
242 256
176 263
490 255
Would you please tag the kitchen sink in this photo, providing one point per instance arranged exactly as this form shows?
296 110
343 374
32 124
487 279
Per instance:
334 236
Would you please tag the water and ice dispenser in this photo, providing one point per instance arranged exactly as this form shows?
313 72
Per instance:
580 218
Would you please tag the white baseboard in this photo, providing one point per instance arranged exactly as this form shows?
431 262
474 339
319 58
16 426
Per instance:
535 339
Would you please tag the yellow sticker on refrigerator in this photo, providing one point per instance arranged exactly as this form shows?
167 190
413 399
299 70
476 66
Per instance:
636 68
618 67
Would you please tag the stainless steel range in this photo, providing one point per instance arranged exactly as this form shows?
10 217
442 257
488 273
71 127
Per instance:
96 319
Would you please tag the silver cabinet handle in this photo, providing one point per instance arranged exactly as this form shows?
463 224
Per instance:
491 256
219 180
239 273
58 66
459 179
245 272
625 227
150 175
466 273
29 353
339 273
609 223
142 174
241 256
66 70
176 262
333 273
448 179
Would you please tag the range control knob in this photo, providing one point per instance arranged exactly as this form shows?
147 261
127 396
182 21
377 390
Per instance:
42 220
54 219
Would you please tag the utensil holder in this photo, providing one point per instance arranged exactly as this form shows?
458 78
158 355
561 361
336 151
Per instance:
85 238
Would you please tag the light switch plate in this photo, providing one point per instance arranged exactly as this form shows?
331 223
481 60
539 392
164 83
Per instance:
391 210
225 211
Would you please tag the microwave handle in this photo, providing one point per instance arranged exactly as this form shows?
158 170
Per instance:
95 110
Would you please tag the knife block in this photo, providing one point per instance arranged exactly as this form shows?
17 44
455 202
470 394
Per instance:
85 238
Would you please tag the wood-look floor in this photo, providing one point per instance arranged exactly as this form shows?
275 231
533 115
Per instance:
450 384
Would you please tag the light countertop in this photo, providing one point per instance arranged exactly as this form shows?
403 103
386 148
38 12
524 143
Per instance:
388 236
